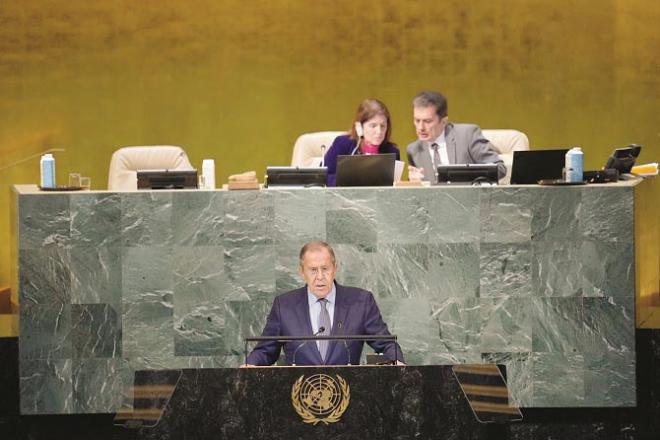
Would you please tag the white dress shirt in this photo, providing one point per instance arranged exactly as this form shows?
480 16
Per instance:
442 149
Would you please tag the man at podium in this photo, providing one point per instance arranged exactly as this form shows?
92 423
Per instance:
322 307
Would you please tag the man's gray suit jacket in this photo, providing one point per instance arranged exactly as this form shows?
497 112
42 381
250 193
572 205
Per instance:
465 144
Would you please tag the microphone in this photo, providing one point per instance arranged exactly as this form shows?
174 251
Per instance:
322 156
348 352
295 352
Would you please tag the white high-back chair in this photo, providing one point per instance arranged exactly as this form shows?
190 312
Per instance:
125 162
308 150
506 142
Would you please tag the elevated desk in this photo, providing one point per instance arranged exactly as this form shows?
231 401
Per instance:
540 279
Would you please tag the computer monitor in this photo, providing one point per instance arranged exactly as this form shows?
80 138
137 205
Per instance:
167 179
296 177
531 166
473 173
366 170
623 159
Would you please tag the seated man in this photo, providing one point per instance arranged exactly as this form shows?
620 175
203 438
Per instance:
322 307
441 142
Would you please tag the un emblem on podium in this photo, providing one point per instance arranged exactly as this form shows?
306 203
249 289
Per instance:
320 398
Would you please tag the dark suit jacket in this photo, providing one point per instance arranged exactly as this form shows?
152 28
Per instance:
465 144
356 313
345 145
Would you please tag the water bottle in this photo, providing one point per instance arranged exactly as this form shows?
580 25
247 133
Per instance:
574 165
208 173
47 171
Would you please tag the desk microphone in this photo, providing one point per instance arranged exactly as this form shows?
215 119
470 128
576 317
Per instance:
322 156
295 352
348 352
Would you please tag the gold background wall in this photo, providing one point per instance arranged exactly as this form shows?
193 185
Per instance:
238 81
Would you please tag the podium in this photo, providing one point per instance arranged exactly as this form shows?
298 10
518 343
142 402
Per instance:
278 402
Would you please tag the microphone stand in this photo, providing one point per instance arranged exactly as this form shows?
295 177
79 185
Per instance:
348 352
295 352
322 156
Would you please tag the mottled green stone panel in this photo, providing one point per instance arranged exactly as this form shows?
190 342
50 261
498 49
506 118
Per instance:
403 216
351 217
402 271
89 376
299 217
45 331
148 331
95 219
506 325
44 221
147 219
506 215
248 218
558 325
146 273
556 268
96 331
147 315
454 270
287 276
607 379
45 277
558 379
458 322
245 319
609 269
609 324
607 214
46 386
358 267
555 213
455 215
250 270
96 274
198 218
200 290
505 270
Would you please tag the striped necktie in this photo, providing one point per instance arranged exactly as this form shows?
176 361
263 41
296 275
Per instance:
324 321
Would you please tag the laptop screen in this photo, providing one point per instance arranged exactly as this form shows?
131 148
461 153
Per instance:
531 166
366 170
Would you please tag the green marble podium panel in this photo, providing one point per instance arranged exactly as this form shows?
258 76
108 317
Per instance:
540 279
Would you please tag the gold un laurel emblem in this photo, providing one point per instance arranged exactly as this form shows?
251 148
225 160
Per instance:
320 398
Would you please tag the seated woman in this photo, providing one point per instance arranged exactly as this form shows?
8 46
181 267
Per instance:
370 134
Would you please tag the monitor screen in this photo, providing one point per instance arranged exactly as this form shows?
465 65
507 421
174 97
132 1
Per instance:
366 170
468 173
167 179
529 167
296 177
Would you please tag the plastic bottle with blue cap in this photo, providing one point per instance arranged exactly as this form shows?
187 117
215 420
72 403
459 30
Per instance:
574 165
47 164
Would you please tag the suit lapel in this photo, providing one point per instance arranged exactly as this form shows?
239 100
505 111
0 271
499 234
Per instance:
339 320
450 138
425 161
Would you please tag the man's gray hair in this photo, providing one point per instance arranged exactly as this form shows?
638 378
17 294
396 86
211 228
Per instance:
436 99
315 246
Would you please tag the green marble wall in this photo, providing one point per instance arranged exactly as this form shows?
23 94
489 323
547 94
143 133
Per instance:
540 279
